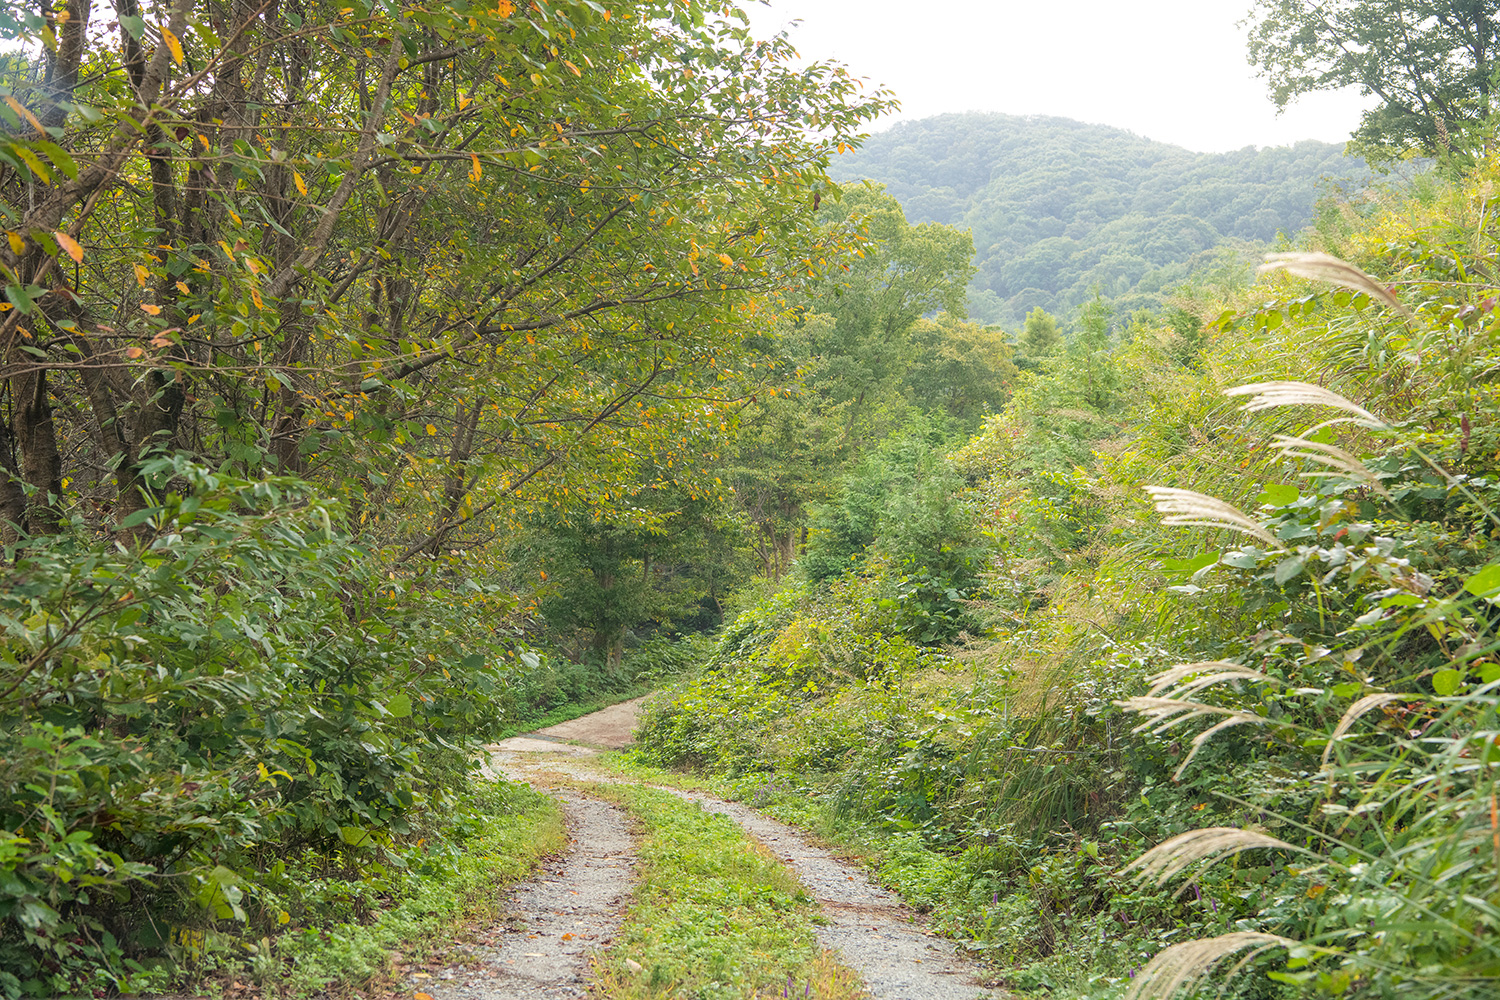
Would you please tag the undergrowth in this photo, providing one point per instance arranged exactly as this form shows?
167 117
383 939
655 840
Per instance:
1337 623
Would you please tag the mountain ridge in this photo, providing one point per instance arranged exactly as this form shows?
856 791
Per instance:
1059 207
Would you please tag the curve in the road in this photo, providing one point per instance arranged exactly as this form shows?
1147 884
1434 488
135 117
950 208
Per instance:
868 927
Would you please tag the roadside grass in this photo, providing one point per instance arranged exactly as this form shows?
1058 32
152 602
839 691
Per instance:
715 916
409 898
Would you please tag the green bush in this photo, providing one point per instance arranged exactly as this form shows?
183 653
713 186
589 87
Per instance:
178 712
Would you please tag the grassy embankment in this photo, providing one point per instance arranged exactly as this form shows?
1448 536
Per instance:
1337 622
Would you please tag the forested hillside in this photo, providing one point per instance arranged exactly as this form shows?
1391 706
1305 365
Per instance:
1058 207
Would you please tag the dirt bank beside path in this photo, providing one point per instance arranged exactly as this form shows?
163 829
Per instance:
869 928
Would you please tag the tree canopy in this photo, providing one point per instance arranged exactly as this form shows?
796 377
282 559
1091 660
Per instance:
426 256
1431 63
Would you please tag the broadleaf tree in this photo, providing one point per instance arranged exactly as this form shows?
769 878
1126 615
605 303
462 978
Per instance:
431 257
1431 64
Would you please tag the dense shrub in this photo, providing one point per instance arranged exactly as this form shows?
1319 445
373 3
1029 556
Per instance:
180 708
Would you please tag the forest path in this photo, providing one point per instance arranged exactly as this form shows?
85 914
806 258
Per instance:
869 928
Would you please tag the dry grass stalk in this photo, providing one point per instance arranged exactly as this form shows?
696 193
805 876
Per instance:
1183 965
1326 267
1332 456
1368 703
1268 395
1185 507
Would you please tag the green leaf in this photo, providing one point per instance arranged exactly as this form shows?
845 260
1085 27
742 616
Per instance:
1485 583
139 517
60 158
1445 682
1277 495
354 836
1289 568
399 706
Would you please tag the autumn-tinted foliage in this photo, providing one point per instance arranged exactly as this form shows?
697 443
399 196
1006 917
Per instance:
305 303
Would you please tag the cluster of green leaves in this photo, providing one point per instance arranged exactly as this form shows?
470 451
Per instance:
177 715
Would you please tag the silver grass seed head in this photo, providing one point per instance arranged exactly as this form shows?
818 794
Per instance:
1268 395
1326 267
1211 844
1187 508
1183 965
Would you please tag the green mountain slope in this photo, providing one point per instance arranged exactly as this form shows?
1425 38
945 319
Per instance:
1058 206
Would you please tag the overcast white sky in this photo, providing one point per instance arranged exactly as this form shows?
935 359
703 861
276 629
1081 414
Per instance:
1171 70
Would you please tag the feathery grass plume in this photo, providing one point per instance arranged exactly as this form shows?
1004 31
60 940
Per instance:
1183 965
1165 713
1326 267
1184 507
1334 457
1368 703
1268 395
1204 674
1234 719
1211 844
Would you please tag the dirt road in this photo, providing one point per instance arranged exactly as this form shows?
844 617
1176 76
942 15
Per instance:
868 927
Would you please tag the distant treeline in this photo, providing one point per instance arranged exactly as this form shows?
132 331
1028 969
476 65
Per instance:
1059 207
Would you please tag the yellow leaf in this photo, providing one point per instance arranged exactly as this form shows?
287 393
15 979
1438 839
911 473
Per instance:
475 172
301 184
17 242
141 274
173 44
431 430
255 297
464 102
726 260
576 71
183 288
70 245
20 109
150 309
506 8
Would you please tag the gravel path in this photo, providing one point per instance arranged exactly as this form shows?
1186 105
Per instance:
869 928
610 728
540 949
